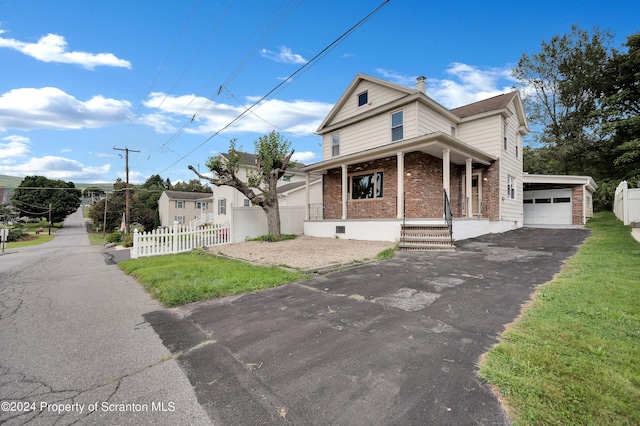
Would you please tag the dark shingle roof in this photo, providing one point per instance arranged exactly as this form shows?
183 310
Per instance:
250 159
179 195
491 104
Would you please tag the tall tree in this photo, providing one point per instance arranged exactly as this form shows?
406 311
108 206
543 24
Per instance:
194 185
562 85
621 110
273 157
36 196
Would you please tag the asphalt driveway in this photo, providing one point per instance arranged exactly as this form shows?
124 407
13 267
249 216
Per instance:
395 342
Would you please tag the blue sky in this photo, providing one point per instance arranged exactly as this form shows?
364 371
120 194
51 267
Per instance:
78 78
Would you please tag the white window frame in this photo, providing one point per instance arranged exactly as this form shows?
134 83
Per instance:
400 126
335 144
202 205
505 135
179 218
222 206
246 202
511 188
179 204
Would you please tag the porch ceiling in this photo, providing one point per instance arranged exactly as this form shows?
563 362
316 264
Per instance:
432 144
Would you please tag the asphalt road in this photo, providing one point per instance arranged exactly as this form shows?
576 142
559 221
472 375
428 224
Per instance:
74 347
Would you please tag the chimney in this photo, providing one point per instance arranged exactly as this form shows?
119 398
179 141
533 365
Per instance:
421 84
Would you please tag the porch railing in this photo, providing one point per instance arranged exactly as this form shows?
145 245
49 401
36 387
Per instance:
316 211
448 214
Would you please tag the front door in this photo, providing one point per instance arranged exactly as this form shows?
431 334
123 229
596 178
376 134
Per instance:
476 193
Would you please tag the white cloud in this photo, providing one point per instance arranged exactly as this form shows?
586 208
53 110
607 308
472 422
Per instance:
298 117
14 147
57 168
52 108
285 56
53 48
467 84
305 157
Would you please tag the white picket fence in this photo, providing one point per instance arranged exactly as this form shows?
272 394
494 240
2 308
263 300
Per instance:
178 239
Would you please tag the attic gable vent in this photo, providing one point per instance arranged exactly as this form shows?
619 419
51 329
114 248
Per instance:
363 98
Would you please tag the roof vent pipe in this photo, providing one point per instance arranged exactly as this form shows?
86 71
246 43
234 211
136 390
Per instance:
421 84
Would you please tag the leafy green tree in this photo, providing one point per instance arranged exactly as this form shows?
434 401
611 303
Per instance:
36 195
562 85
621 110
194 185
273 157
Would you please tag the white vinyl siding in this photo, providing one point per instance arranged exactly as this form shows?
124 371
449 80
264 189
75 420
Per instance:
376 95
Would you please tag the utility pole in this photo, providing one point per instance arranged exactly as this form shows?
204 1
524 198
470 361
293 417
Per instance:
127 218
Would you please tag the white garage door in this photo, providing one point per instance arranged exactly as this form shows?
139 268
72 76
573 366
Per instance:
547 207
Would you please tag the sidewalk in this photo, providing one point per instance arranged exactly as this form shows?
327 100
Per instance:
635 233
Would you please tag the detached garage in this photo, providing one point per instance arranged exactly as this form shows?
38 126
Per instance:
557 200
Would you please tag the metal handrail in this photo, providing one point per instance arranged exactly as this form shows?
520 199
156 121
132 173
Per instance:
448 214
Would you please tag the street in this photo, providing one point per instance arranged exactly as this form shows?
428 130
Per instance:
74 347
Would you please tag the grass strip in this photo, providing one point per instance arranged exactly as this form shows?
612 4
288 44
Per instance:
573 357
179 279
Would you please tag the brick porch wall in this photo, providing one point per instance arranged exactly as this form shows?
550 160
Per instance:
423 189
491 191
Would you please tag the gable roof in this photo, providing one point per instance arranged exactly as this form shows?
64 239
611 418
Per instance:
189 196
486 105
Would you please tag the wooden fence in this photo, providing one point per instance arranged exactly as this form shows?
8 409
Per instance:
178 239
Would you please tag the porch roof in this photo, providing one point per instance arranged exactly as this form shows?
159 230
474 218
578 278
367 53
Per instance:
432 144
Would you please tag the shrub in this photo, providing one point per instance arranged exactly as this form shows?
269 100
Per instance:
127 241
15 234
114 237
272 238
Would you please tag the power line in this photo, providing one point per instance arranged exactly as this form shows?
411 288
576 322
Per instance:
310 63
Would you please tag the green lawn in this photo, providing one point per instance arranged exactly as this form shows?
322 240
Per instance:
34 241
574 355
179 279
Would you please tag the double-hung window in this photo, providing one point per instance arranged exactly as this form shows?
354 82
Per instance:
222 206
397 125
335 144
505 129
201 205
511 188
180 204
367 185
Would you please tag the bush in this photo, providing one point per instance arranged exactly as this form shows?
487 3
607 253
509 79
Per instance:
127 241
115 237
15 234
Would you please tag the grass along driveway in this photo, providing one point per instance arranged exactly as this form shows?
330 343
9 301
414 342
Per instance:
179 279
573 356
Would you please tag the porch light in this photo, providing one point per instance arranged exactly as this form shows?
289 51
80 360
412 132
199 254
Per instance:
485 179
408 174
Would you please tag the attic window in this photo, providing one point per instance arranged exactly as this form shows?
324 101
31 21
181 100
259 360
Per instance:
363 98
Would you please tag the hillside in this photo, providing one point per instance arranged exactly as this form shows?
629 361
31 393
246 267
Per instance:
7 181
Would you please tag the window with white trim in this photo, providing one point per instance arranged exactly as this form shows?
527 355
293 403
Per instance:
505 129
201 205
335 144
246 202
222 206
366 185
179 219
397 126
180 204
511 187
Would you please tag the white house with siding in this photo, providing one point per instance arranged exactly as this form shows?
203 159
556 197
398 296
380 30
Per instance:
394 159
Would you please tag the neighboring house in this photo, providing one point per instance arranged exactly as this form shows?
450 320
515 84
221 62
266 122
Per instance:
183 207
391 153
291 188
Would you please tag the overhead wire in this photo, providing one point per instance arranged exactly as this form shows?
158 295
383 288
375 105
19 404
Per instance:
270 25
302 68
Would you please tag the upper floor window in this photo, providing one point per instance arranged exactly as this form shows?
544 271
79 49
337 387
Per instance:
286 178
180 204
335 144
368 185
222 206
397 122
363 98
201 205
518 142
453 131
246 202
505 129
511 188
